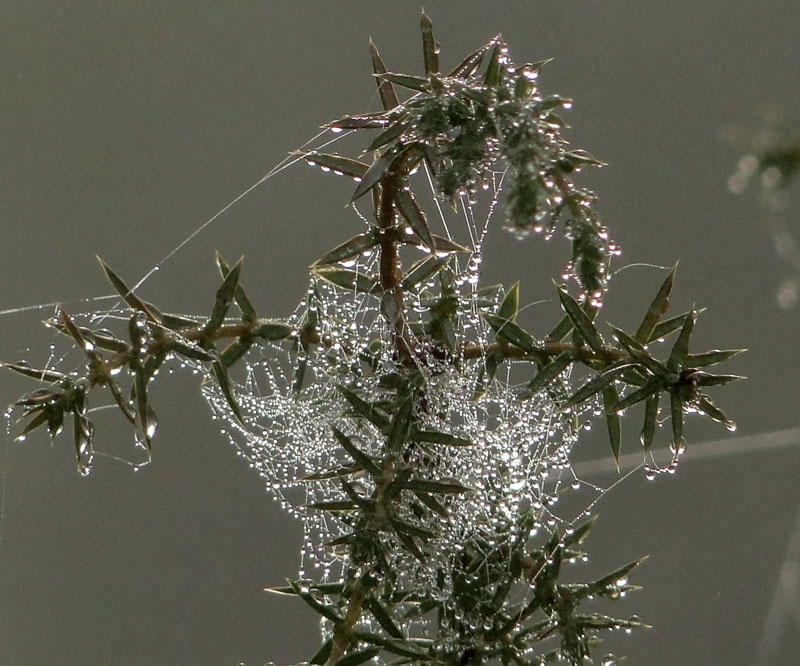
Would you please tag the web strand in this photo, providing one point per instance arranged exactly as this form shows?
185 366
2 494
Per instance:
541 470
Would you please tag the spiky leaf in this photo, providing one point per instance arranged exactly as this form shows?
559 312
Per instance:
680 350
23 368
243 303
434 437
345 278
549 372
467 67
650 421
640 354
385 89
412 213
436 487
389 135
360 121
704 404
658 307
374 173
359 656
513 333
365 409
348 249
305 595
361 458
221 375
430 49
401 425
510 305
654 386
613 421
336 163
676 412
127 294
582 323
423 270
415 83
381 614
598 383
711 357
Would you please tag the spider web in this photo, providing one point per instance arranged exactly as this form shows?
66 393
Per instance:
521 453
521 448
287 434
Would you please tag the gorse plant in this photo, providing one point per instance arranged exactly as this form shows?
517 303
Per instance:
402 412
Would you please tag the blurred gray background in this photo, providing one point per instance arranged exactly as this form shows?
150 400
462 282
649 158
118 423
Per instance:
125 125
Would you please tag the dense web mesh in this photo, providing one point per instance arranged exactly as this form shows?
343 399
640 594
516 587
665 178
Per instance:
520 447
291 405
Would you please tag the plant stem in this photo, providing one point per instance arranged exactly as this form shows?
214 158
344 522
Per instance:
342 638
392 306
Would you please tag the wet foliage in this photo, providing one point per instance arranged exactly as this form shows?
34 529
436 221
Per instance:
434 473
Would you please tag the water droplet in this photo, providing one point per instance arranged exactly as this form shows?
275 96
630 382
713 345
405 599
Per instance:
678 449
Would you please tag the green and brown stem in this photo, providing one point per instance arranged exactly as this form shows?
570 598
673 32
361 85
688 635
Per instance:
390 273
343 631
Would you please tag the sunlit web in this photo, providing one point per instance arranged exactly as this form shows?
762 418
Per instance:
520 452
521 448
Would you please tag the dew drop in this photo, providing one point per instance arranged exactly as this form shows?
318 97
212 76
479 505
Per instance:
678 449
